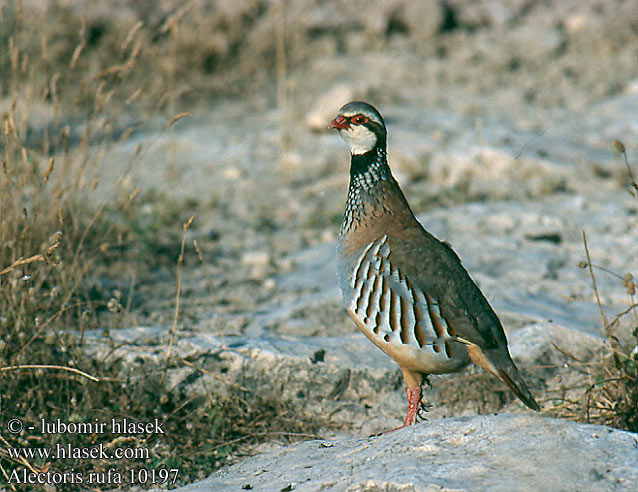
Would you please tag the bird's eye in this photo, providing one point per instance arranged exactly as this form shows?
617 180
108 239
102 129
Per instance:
359 119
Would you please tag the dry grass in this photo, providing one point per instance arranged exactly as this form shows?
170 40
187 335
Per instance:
610 382
67 94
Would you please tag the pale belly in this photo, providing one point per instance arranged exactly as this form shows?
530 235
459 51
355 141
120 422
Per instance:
397 317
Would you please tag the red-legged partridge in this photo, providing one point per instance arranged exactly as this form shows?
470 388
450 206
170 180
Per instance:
406 290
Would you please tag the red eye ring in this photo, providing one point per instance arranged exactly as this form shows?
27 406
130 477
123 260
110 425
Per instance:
358 119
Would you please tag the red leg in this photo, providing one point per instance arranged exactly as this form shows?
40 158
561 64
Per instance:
413 381
414 402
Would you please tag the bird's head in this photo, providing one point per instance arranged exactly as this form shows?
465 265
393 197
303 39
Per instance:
361 126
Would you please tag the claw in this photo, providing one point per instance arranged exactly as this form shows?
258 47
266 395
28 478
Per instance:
414 404
424 407
416 407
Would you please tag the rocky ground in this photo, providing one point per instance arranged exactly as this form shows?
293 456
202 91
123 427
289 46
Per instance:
495 453
501 118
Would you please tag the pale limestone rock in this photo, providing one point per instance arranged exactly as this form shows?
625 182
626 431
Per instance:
495 453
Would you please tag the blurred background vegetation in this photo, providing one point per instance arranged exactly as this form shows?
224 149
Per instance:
79 78
76 80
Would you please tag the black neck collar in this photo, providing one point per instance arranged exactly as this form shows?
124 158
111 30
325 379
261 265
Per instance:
362 163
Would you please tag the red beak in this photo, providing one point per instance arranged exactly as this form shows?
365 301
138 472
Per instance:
339 123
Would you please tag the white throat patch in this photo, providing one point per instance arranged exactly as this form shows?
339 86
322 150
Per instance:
359 138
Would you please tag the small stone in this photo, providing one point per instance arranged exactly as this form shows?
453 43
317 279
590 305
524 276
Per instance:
327 235
255 259
232 172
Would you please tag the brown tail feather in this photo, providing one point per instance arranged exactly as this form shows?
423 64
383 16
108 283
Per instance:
510 377
519 390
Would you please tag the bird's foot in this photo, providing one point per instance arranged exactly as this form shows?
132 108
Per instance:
388 431
424 408
415 405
